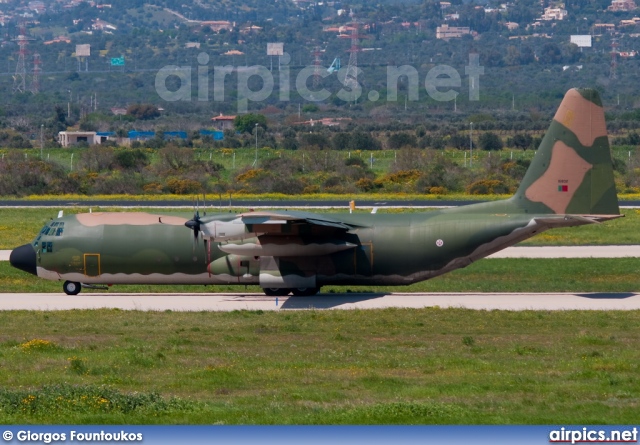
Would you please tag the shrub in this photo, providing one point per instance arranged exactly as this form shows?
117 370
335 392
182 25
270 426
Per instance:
490 141
488 187
183 186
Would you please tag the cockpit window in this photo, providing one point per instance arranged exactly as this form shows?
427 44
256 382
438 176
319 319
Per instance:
54 228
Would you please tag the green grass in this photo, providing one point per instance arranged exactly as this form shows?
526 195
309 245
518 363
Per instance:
20 226
489 275
394 366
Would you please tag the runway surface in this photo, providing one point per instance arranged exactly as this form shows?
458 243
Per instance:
253 301
535 252
569 252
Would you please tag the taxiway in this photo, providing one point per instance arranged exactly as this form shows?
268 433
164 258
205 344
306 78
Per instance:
254 301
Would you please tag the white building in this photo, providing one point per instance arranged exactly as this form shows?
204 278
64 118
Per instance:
446 32
68 138
622 5
554 14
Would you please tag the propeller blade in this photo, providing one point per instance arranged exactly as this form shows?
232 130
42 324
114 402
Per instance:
195 223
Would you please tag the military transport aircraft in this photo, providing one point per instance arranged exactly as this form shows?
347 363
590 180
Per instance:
569 183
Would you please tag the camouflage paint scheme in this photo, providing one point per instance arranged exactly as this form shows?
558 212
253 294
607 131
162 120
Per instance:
569 183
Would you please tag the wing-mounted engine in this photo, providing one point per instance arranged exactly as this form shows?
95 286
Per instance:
273 224
273 249
284 246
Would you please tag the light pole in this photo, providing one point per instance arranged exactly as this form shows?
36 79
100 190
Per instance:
470 144
255 161
41 139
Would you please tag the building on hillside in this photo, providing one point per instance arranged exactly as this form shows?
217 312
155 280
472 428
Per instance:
101 25
608 27
554 14
218 25
59 39
511 26
622 5
446 32
631 22
223 122
118 111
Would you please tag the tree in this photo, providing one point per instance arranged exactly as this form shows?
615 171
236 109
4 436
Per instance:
513 56
341 141
132 159
245 123
315 140
143 111
364 141
522 141
527 55
399 140
490 141
551 53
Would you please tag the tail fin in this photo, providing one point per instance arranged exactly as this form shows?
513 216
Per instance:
572 172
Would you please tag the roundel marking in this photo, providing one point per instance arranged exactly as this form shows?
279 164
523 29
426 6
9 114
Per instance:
439 243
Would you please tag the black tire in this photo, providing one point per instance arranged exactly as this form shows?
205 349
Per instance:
71 288
276 291
305 291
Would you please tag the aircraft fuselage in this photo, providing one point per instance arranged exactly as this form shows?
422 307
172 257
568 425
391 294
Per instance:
384 249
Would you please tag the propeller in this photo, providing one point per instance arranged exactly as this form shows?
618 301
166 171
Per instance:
194 223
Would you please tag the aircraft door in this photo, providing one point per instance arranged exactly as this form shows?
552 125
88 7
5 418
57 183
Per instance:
92 264
363 259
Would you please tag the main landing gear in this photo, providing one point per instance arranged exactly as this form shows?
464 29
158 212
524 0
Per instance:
71 288
298 291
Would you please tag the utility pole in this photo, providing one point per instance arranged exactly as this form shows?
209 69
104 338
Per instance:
41 139
470 144
255 161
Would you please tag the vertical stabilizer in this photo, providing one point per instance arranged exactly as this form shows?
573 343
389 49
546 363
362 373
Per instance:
572 172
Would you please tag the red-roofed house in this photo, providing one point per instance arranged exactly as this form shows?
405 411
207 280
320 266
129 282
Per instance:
223 122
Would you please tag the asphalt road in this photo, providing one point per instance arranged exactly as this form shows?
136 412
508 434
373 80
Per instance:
252 301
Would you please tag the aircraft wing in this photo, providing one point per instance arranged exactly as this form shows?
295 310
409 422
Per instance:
286 217
273 223
573 220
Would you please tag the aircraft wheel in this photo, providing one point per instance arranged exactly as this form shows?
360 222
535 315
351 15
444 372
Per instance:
71 288
276 291
305 291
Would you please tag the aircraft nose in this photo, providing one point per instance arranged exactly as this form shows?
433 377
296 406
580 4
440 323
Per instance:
24 258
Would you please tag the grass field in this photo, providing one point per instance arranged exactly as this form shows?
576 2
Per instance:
393 366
